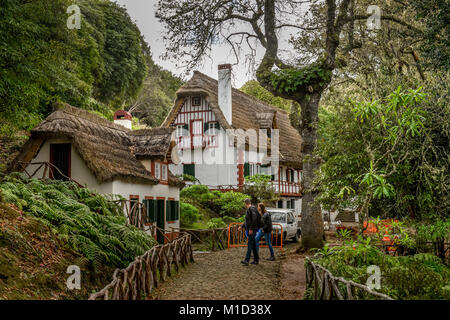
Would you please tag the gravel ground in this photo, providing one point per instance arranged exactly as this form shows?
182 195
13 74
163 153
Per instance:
220 275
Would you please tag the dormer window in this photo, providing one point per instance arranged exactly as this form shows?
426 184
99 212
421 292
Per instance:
196 101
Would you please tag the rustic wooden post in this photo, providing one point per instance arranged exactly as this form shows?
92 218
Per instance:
214 240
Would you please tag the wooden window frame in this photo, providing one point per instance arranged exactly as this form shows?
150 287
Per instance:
193 98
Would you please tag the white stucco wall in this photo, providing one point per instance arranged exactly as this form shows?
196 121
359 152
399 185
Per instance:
125 189
82 174
79 171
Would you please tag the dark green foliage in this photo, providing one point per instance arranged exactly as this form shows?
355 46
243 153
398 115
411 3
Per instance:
221 208
189 213
390 156
254 89
157 95
290 81
42 61
422 276
435 15
90 223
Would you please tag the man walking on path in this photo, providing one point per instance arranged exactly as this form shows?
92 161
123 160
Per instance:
252 224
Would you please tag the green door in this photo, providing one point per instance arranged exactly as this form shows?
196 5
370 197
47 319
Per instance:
160 223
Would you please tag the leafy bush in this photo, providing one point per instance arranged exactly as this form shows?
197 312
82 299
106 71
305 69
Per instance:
228 203
421 276
216 223
90 223
231 203
259 188
189 213
194 192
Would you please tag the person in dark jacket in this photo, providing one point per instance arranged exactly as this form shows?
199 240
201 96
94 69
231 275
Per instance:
266 230
252 224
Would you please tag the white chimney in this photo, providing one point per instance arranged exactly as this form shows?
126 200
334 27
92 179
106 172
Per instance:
224 91
123 118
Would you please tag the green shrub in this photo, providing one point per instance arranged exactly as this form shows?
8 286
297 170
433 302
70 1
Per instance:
216 223
92 225
194 192
189 213
231 203
421 276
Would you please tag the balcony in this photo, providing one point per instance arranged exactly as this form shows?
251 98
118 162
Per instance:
194 142
286 188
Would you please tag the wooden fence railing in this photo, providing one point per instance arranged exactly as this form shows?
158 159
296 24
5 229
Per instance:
210 239
145 273
327 286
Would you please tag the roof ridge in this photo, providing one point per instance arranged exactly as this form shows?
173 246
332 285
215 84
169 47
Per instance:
274 108
88 116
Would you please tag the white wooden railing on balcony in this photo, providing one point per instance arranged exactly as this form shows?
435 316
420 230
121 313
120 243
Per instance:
187 142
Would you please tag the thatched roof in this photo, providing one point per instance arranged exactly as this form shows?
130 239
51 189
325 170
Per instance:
105 147
153 143
248 113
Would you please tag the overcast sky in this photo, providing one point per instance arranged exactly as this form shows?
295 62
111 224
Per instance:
143 13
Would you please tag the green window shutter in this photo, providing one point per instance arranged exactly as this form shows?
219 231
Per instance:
150 205
168 210
185 127
189 169
246 169
205 126
177 211
292 175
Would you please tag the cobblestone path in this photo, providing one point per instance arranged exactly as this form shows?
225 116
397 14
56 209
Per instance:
220 275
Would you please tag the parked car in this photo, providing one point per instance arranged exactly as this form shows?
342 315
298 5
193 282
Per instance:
289 224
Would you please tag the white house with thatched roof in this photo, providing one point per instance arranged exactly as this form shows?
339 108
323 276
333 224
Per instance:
109 158
224 135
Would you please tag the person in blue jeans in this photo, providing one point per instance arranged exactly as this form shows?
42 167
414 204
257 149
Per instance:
265 231
252 224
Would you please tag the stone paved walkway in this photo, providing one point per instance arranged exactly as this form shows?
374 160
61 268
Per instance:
220 275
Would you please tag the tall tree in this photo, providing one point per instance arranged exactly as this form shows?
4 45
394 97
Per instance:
192 25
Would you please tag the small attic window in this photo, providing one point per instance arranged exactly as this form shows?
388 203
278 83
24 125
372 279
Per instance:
196 101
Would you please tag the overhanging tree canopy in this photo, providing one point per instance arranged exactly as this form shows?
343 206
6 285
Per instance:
192 25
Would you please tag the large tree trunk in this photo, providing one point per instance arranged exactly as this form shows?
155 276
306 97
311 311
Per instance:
312 219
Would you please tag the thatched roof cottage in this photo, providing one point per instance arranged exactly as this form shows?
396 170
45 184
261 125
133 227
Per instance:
107 157
205 109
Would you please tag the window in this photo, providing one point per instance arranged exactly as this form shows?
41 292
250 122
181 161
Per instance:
254 169
189 169
197 133
164 172
280 204
60 158
157 170
288 204
292 204
196 101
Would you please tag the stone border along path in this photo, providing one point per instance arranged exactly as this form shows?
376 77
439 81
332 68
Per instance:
220 275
